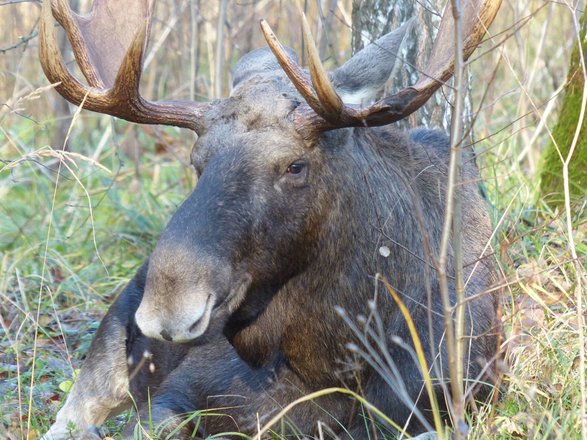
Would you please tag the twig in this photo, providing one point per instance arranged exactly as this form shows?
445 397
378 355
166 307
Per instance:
452 222
15 2
219 68
569 224
456 136
23 41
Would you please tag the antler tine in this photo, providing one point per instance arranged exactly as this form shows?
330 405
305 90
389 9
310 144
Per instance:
112 67
324 113
330 101
291 69
128 76
69 20
476 18
329 112
52 63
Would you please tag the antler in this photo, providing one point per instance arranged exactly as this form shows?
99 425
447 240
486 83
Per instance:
109 51
327 111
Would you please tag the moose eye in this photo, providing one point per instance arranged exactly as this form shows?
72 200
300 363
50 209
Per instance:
296 168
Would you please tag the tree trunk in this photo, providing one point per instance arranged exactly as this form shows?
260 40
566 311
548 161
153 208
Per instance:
551 169
374 18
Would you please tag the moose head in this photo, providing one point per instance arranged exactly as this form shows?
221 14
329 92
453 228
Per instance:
267 166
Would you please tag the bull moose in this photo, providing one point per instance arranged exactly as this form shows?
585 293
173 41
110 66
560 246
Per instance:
262 288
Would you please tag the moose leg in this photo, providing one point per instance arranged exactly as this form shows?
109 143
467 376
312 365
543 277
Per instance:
101 389
213 376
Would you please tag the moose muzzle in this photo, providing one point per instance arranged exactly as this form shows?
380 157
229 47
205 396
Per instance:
182 291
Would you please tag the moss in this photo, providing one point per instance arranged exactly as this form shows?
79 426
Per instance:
551 166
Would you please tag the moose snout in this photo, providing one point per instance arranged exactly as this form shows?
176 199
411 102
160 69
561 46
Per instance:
180 295
177 324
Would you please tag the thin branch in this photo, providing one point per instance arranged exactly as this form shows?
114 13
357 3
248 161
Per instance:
23 40
570 233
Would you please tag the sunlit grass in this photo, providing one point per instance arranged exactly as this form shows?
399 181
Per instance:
70 238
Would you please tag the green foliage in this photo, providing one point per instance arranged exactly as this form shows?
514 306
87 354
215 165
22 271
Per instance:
72 232
563 134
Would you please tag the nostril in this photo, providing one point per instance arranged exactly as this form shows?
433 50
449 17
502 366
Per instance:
166 335
194 326
202 322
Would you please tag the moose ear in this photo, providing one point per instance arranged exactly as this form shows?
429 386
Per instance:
257 62
361 79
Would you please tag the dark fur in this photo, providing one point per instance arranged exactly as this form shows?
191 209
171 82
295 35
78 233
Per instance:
306 247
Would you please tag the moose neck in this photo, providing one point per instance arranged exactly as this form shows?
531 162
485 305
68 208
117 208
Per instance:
359 222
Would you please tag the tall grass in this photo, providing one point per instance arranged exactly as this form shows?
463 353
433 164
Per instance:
83 198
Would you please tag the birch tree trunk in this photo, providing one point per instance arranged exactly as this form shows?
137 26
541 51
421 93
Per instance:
374 18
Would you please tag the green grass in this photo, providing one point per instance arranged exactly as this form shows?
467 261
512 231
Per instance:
541 395
72 232
71 237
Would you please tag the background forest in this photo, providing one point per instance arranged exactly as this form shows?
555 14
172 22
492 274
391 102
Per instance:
83 196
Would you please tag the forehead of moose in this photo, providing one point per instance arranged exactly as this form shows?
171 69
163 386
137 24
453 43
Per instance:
259 106
262 101
261 95
258 111
254 122
256 117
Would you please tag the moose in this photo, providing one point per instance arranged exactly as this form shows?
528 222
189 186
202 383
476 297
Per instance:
264 285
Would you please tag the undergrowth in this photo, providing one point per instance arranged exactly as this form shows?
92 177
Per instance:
73 232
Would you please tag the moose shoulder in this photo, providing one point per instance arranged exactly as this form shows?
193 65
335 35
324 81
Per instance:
264 280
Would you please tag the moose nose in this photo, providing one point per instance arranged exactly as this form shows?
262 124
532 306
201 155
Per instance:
183 325
193 331
166 335
180 292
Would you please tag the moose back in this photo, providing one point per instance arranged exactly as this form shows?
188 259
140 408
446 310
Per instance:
262 287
